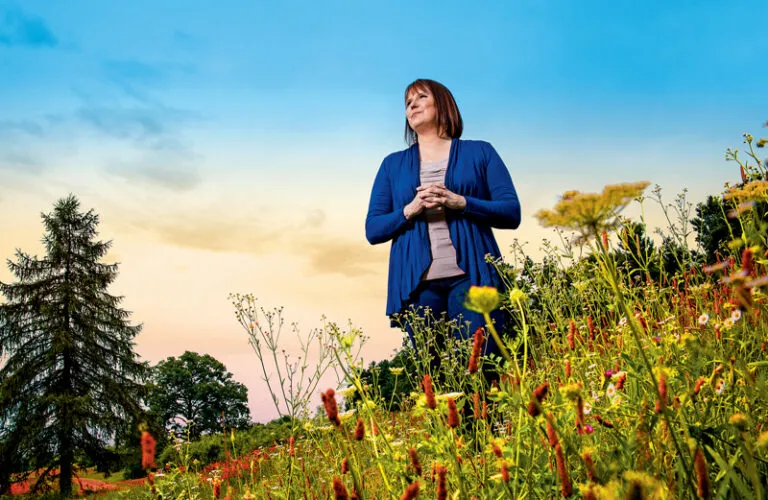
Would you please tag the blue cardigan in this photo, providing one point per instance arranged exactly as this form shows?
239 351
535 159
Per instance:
474 171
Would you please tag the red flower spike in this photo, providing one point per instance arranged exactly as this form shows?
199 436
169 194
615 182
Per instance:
360 430
339 490
442 490
504 471
702 474
453 414
147 450
331 409
411 492
415 463
429 391
477 350
566 488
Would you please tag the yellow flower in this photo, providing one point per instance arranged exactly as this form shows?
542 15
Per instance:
739 420
347 392
482 299
751 191
517 295
762 441
591 213
396 371
571 391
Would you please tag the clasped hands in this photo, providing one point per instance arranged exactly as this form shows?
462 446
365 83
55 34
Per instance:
433 196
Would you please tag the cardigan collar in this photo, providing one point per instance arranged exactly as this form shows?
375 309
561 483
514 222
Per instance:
416 163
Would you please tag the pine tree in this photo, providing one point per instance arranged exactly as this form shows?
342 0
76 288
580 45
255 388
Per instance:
70 375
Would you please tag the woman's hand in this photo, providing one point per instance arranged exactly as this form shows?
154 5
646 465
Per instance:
439 195
433 196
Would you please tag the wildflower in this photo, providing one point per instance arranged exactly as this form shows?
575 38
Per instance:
565 482
482 299
216 488
571 391
411 492
762 441
331 409
442 490
538 396
591 213
604 422
147 450
476 402
345 466
477 350
703 319
663 390
610 391
453 414
360 430
415 461
720 386
339 490
347 392
621 378
736 315
623 321
567 368
551 433
396 370
702 474
571 333
587 408
739 420
429 391
504 471
591 472
517 296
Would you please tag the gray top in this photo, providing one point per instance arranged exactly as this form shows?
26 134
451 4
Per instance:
443 252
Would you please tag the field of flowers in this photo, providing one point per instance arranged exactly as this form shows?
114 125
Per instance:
630 372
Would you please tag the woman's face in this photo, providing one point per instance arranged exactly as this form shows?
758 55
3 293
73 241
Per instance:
420 110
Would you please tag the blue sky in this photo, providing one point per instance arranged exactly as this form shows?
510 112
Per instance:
231 146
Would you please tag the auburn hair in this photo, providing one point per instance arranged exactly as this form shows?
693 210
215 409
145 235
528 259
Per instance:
449 120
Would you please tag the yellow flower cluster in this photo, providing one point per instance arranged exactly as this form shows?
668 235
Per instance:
751 191
591 213
482 299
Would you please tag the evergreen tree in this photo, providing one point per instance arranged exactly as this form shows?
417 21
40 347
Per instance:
71 376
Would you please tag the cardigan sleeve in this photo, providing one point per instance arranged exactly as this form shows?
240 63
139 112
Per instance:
502 210
384 220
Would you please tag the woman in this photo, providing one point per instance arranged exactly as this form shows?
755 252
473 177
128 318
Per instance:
437 201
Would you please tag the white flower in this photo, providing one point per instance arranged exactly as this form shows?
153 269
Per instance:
703 319
728 323
610 391
720 386
623 321
451 395
736 315
587 408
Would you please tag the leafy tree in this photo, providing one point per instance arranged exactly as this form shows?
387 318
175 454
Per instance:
71 375
713 228
199 389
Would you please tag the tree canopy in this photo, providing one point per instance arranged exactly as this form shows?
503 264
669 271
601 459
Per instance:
198 389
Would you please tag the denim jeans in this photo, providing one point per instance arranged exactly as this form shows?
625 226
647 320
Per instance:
446 295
